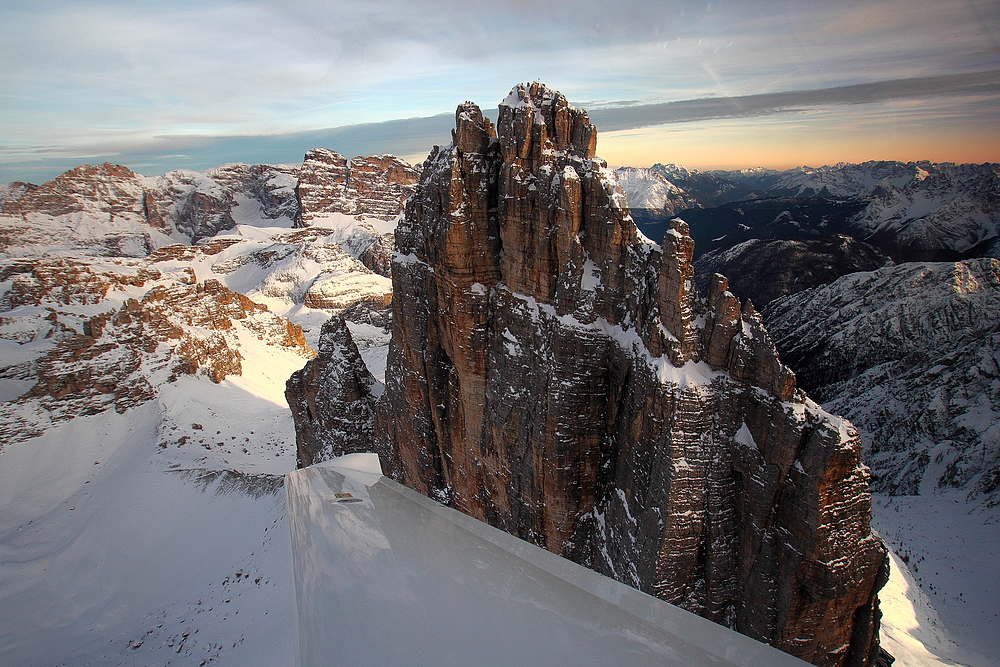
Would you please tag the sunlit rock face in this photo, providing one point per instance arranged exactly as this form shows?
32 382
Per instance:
109 190
555 374
373 186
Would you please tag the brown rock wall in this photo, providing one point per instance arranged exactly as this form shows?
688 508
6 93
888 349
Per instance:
558 376
375 186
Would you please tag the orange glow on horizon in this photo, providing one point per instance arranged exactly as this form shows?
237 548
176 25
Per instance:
811 139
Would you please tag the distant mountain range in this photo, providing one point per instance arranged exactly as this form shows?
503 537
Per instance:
910 211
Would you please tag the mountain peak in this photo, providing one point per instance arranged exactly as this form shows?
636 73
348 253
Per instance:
556 374
536 116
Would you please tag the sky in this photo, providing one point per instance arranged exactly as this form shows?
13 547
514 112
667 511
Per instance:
197 83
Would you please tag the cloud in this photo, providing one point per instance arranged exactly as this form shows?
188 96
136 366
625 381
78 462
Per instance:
118 77
978 94
644 115
411 138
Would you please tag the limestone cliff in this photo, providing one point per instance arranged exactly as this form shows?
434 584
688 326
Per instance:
373 186
554 373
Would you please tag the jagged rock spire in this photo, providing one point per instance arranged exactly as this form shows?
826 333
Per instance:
556 374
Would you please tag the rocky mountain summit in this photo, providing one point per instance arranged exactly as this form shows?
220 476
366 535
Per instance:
554 373
332 399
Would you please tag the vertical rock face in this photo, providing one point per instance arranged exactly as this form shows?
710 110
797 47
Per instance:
374 186
554 373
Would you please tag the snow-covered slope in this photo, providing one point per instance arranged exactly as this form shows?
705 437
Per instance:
650 189
200 205
909 354
765 269
941 208
144 430
152 536
847 180
940 605
92 210
141 519
703 188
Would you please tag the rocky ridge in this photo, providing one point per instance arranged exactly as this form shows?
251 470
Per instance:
556 374
908 353
765 269
706 188
103 300
942 212
332 399
110 209
202 205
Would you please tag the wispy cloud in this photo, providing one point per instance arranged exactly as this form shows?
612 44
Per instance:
626 117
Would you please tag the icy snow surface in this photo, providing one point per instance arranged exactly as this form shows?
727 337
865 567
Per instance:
941 603
114 550
385 576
